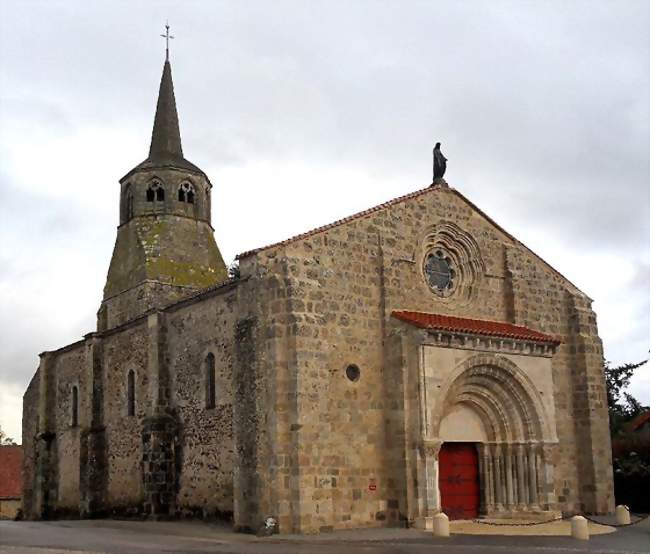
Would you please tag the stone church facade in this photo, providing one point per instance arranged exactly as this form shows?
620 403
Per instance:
408 359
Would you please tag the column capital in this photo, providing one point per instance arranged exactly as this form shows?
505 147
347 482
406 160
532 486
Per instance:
431 447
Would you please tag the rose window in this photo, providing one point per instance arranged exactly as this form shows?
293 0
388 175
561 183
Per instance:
439 271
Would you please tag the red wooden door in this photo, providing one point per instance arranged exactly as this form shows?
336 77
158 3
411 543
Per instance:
459 486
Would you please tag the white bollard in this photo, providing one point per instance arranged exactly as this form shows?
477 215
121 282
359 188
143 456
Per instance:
579 528
622 515
441 525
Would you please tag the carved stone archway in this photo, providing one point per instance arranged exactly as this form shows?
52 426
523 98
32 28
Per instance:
515 442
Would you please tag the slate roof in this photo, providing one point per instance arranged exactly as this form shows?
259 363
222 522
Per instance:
497 329
11 477
166 149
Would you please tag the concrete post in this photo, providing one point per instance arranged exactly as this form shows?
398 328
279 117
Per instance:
622 515
579 528
441 525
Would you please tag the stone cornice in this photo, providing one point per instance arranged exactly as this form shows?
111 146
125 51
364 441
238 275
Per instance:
480 343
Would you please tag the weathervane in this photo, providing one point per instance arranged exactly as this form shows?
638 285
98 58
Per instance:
166 36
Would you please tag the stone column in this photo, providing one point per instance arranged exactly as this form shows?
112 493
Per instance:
533 498
509 481
539 464
498 481
522 497
485 479
431 450
490 482
515 480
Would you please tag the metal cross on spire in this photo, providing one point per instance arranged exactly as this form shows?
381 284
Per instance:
166 36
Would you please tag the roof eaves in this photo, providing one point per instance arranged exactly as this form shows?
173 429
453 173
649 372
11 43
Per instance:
468 326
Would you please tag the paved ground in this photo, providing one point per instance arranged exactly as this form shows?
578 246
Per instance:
128 537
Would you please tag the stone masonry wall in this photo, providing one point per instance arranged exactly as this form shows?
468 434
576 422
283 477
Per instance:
206 434
68 371
291 436
122 352
333 298
262 417
97 466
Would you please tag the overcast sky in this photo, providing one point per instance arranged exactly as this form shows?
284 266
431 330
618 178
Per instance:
304 112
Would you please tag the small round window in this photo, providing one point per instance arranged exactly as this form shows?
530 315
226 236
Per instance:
353 372
439 272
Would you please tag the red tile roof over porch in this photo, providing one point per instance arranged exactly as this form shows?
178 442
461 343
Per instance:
11 465
639 421
437 322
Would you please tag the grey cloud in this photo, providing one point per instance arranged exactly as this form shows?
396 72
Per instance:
542 108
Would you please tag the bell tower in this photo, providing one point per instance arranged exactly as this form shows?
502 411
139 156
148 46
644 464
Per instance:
165 248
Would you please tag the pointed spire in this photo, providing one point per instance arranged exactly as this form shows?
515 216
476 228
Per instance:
166 136
166 149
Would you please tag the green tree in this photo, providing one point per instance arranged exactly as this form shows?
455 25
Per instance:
623 407
4 439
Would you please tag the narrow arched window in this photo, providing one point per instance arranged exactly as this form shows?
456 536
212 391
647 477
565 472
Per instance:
210 382
186 193
129 205
155 192
75 406
130 394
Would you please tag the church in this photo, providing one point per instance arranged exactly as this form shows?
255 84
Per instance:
406 360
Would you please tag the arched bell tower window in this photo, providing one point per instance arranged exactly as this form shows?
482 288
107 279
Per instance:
155 192
129 205
210 382
130 393
186 193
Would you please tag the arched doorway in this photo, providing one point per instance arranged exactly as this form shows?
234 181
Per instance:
490 423
461 432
